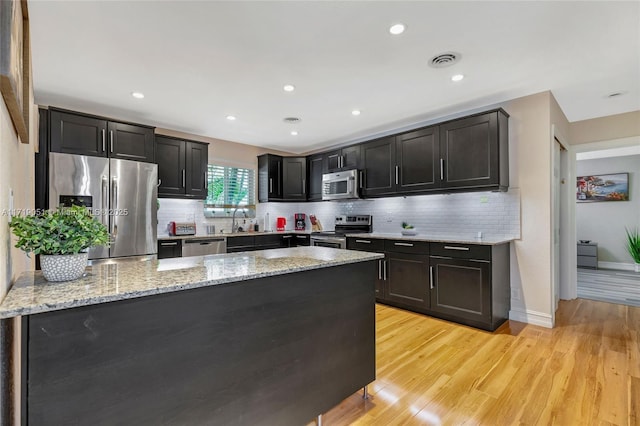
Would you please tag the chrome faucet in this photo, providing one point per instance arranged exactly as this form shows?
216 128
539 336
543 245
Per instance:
234 224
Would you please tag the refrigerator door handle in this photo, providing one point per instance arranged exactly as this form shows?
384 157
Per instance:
114 206
104 189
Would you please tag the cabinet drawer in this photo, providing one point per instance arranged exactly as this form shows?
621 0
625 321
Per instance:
241 241
588 261
461 251
406 246
587 250
365 244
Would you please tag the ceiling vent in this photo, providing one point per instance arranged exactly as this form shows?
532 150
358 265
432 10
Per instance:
444 59
291 120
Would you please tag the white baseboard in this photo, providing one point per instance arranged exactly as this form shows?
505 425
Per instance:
617 265
531 317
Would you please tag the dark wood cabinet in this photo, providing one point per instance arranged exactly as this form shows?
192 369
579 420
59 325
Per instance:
418 160
471 284
474 152
294 178
376 246
379 159
239 243
407 277
169 248
182 168
344 159
316 165
269 178
75 133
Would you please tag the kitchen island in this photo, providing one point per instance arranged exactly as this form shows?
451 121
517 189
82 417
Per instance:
269 337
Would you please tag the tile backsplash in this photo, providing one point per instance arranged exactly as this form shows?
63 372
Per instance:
494 214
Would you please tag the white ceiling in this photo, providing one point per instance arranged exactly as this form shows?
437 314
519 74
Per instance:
197 62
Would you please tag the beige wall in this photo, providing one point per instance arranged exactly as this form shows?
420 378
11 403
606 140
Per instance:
606 128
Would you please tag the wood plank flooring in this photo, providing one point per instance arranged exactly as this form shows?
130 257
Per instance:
586 371
609 285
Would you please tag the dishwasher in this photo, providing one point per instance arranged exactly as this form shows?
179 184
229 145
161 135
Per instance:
204 246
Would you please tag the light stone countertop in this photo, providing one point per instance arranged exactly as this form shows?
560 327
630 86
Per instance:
460 239
129 279
229 235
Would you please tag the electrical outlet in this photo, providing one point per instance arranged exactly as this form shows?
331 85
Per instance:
515 294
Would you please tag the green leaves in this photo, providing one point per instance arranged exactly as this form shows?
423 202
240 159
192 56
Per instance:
633 244
63 231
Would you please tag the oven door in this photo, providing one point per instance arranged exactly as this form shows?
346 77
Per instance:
332 242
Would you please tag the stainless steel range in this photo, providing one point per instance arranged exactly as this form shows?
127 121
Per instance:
345 224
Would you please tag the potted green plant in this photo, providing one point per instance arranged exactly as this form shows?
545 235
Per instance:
61 237
633 246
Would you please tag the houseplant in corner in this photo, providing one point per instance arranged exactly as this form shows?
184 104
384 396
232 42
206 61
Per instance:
633 246
61 237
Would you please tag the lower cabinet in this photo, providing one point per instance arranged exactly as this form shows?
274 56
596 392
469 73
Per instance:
169 248
464 283
240 243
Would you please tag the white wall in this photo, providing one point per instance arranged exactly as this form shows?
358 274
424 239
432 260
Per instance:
604 222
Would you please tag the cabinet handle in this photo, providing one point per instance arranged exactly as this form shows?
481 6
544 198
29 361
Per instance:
431 277
384 265
441 257
159 183
380 269
403 244
396 175
478 260
270 184
169 244
304 184
361 179
340 161
286 237
442 169
104 136
111 140
457 248
363 241
204 181
184 177
301 237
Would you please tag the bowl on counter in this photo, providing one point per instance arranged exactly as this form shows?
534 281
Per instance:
409 232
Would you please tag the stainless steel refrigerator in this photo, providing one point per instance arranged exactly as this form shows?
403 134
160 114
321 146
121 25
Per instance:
121 193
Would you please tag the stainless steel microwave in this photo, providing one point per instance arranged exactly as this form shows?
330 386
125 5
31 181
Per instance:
340 185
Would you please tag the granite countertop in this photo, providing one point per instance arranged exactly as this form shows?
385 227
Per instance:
229 235
461 239
128 279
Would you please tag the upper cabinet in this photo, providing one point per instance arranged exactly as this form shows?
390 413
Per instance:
74 133
344 159
316 165
475 152
282 178
379 159
182 168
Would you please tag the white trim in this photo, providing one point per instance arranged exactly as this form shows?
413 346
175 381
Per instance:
617 265
531 317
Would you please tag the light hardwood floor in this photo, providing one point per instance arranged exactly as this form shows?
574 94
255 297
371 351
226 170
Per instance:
586 371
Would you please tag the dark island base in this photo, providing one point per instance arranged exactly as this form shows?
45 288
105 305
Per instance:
273 351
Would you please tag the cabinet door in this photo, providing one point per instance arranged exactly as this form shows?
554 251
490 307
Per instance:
302 240
379 159
196 169
169 248
129 142
461 288
315 166
171 159
351 157
469 151
275 177
407 277
418 160
294 178
78 134
334 160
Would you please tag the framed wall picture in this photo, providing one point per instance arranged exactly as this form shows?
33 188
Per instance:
613 187
12 70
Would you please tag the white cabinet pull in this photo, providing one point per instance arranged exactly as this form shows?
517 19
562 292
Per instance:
457 248
403 244
363 241
431 277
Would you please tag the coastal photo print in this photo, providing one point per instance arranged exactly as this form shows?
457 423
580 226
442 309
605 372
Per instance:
613 187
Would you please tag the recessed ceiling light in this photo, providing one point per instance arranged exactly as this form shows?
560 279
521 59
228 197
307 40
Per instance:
231 117
355 112
137 95
289 87
397 29
291 120
294 133
457 77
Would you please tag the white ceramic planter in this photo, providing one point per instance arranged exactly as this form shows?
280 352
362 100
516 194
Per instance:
63 267
637 267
